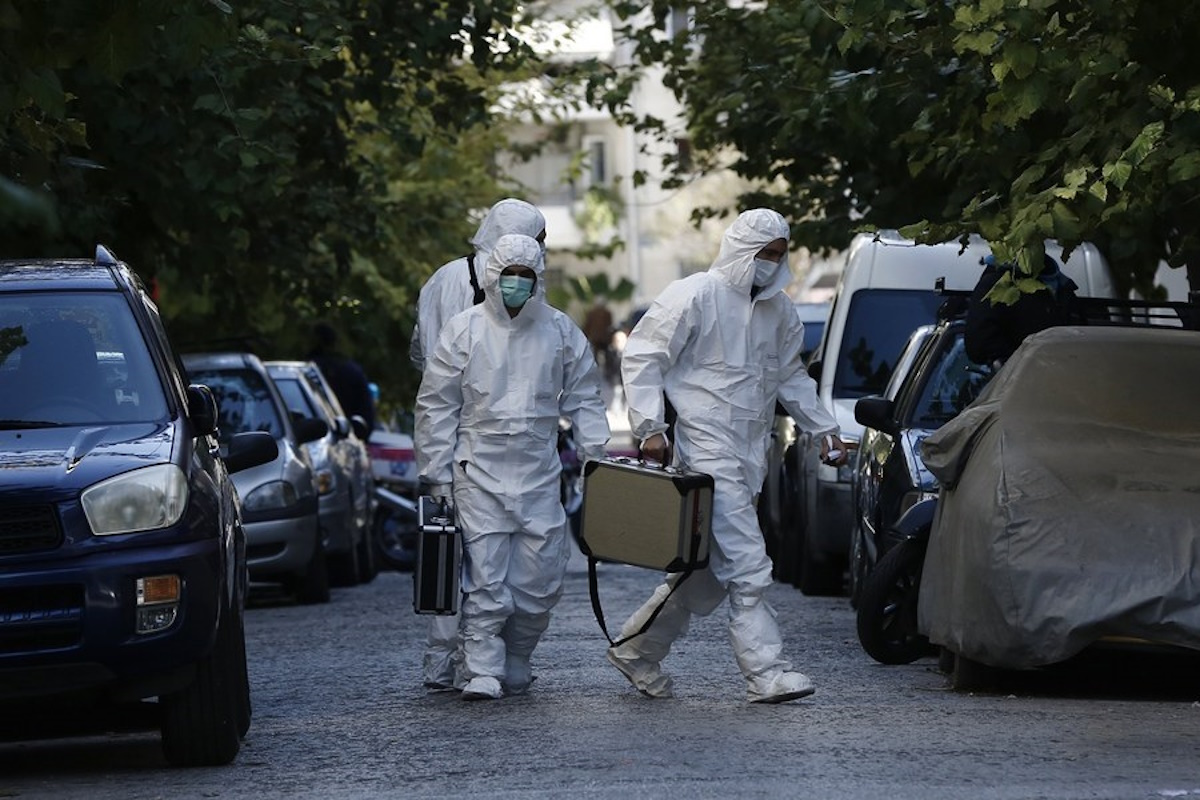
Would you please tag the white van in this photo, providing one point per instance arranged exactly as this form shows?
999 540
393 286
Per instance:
886 292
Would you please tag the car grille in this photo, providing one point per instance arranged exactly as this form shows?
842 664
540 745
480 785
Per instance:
28 529
41 618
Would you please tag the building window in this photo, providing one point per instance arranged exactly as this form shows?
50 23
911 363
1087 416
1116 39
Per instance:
596 154
683 154
678 23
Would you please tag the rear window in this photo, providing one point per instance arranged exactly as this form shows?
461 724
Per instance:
295 398
244 399
878 325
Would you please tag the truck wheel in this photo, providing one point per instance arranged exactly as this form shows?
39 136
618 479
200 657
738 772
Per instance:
201 723
887 610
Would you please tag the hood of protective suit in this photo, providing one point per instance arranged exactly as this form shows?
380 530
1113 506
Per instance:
510 215
513 249
750 232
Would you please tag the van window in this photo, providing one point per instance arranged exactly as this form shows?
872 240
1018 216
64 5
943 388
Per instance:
878 325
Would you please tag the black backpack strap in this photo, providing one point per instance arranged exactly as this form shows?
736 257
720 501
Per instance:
594 591
474 279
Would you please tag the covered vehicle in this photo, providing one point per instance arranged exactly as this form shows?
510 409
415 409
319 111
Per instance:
1070 501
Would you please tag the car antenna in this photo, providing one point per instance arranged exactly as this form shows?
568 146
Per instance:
105 257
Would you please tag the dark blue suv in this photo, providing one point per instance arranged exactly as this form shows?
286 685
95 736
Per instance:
122 555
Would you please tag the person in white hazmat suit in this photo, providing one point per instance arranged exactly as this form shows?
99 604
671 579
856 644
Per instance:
723 345
495 386
449 291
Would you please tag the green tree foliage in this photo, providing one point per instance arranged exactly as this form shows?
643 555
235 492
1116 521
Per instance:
266 164
1019 119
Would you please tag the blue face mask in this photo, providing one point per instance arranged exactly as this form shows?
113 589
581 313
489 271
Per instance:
515 290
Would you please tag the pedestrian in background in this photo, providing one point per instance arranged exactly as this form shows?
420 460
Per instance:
345 375
453 288
723 346
456 285
993 331
501 376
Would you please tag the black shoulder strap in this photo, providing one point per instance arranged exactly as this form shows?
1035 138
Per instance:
474 279
594 591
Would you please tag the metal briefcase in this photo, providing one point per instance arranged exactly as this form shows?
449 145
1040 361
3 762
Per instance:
436 587
646 516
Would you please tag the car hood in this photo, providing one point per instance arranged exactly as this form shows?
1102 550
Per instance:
73 458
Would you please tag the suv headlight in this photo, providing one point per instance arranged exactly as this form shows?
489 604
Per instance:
276 494
146 499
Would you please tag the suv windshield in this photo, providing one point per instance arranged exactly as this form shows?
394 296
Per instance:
74 358
878 324
244 399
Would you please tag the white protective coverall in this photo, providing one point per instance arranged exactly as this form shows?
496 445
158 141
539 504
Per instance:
723 357
448 292
487 421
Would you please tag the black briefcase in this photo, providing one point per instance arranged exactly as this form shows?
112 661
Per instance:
437 575
646 515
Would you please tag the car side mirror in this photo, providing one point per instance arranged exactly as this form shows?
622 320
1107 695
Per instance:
359 425
250 449
309 430
202 409
341 427
814 370
876 412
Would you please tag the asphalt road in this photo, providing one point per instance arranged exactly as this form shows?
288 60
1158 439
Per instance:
340 713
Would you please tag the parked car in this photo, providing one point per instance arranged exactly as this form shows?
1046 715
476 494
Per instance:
896 495
1067 513
933 382
778 497
342 466
122 549
886 291
279 499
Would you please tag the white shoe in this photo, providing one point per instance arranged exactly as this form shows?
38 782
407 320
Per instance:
646 676
780 688
518 676
483 687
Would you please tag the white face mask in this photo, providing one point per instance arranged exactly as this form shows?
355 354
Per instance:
764 271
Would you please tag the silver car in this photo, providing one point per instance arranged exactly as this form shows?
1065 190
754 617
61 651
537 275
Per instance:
342 467
279 498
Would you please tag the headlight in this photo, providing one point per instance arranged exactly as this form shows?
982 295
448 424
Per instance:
146 499
276 494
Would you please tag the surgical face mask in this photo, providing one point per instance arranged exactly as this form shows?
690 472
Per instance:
515 290
765 270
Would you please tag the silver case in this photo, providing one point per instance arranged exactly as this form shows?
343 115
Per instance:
646 516
438 572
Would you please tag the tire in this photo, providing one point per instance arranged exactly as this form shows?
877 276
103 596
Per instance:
859 569
887 610
818 576
368 564
201 724
245 708
394 538
312 586
344 567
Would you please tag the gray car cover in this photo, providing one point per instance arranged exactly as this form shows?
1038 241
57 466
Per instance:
1070 501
